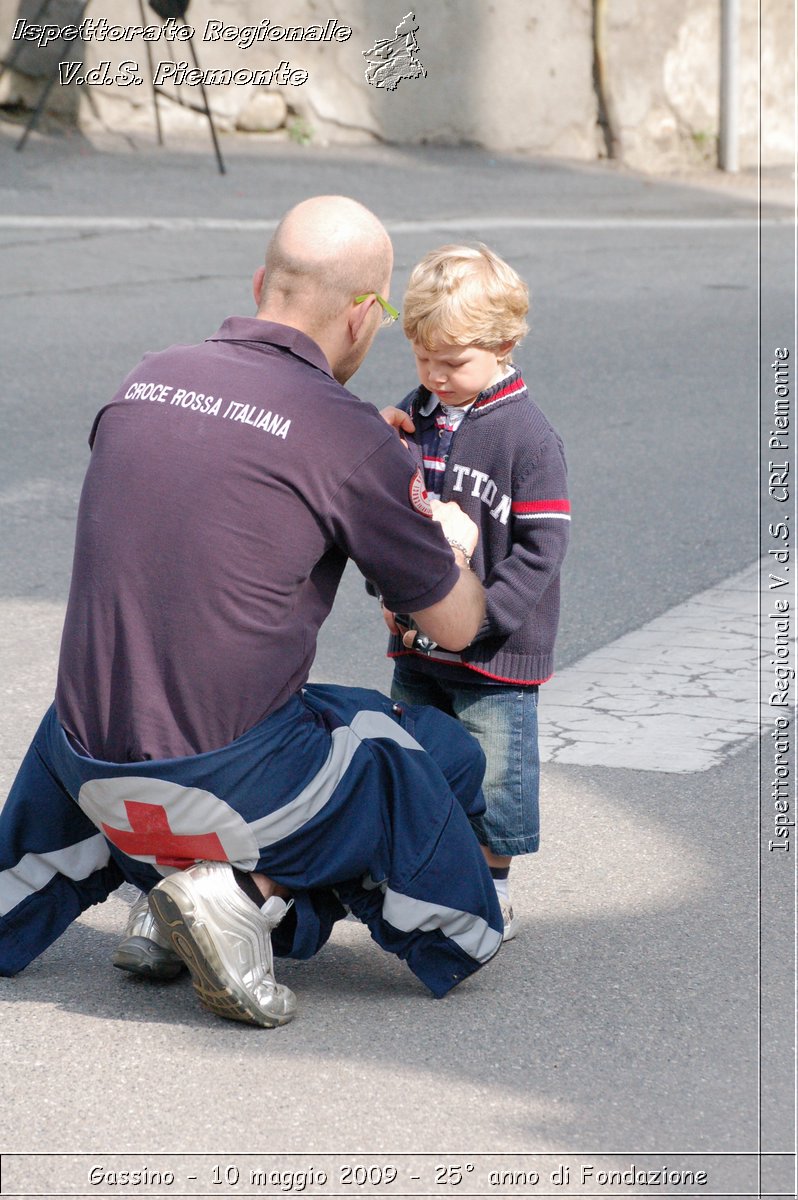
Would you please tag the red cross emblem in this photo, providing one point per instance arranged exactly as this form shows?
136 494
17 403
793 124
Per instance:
151 834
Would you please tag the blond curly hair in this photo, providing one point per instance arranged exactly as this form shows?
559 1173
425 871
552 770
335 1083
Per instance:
465 296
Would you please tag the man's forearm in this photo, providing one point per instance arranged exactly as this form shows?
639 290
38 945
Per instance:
453 622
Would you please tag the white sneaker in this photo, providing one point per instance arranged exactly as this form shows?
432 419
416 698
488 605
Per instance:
225 941
144 951
510 921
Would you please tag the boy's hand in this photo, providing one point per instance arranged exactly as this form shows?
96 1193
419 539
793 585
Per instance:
387 617
412 637
457 525
398 420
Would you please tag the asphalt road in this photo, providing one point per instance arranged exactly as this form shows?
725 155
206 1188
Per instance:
635 1014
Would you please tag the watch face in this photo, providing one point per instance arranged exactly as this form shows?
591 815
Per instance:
423 644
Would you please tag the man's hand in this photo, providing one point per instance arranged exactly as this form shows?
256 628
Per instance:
457 525
398 420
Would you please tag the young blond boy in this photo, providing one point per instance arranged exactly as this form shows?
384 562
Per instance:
484 443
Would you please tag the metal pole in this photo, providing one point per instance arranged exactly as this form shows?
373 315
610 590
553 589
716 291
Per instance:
728 133
151 69
219 159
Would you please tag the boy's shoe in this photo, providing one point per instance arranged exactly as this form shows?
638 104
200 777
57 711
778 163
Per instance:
510 921
225 941
144 951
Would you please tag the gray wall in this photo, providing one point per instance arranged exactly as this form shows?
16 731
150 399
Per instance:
508 74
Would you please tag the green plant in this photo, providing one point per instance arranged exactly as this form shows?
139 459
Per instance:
300 131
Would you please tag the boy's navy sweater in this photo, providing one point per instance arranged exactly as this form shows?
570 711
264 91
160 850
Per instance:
506 469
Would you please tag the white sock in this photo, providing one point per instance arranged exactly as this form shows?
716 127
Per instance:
502 888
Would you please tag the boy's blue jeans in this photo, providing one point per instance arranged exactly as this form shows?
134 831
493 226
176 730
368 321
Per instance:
504 720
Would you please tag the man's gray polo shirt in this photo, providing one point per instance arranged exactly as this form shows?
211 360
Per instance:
228 483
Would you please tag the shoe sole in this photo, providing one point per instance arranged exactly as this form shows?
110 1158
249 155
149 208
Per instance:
194 945
141 957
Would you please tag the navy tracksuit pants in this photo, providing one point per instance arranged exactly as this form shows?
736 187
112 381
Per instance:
338 796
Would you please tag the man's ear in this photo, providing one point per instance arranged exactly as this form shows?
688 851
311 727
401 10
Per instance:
257 284
505 350
358 314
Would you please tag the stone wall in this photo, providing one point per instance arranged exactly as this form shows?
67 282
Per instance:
663 63
507 74
23 84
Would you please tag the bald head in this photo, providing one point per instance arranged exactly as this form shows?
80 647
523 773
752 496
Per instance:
324 252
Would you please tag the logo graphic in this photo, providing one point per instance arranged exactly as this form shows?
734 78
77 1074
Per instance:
167 825
418 495
393 59
151 834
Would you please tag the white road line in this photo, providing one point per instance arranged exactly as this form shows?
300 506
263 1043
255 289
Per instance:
485 222
676 695
96 224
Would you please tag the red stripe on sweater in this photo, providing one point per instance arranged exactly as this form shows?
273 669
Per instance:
510 390
469 667
530 506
